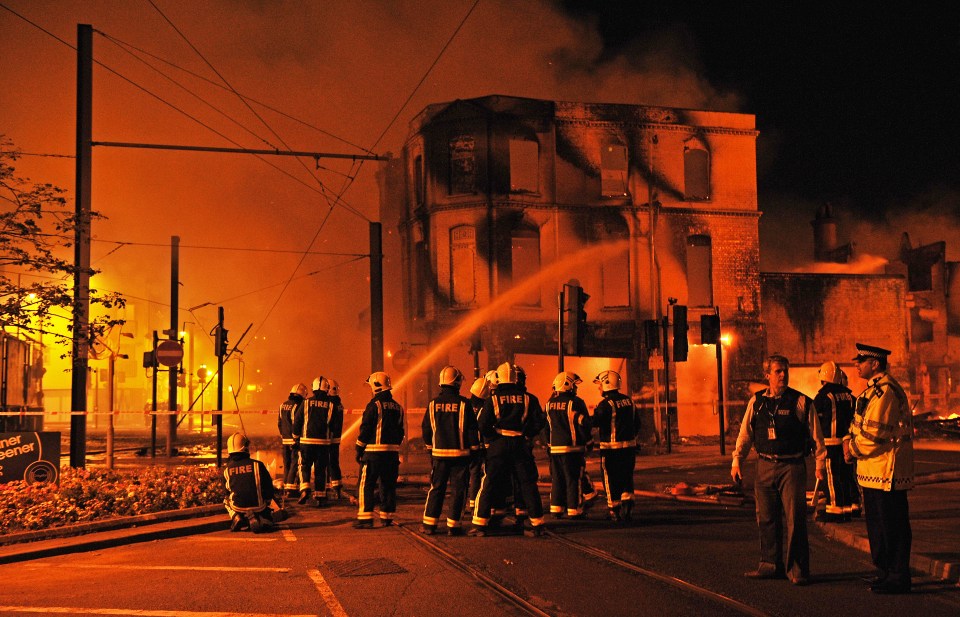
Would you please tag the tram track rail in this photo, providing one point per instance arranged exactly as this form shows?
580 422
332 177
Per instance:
526 607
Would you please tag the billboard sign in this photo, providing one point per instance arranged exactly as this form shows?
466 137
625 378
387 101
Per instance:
32 457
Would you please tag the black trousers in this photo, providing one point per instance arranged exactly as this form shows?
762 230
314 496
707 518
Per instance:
379 470
887 515
566 471
506 456
452 471
291 467
313 468
476 474
617 465
334 475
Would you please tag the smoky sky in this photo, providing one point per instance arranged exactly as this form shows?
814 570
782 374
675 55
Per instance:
851 105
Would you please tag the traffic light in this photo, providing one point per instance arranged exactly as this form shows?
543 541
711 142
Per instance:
220 342
575 320
651 333
709 329
680 347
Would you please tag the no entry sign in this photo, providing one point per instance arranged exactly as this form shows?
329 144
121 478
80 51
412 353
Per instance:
169 353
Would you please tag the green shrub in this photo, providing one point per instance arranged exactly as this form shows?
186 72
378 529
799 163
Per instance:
96 494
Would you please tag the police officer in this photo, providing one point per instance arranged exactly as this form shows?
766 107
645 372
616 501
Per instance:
450 434
311 428
249 487
291 456
781 424
617 429
334 474
567 435
378 452
510 419
479 392
880 441
834 405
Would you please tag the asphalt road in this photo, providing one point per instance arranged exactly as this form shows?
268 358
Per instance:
317 564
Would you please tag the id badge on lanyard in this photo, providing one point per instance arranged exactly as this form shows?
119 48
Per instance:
771 434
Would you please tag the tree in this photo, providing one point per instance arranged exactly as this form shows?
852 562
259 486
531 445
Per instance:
37 230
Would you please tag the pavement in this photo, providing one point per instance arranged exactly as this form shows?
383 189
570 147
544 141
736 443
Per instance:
934 508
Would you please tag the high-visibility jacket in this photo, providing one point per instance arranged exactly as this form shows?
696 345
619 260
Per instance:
834 404
881 436
450 425
381 427
618 425
285 420
568 424
511 411
248 483
311 421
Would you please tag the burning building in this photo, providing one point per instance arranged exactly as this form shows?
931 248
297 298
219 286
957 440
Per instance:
508 201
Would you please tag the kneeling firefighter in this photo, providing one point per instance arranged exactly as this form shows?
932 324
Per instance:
249 487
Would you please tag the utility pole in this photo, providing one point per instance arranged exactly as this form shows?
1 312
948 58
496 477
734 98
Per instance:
81 252
153 416
221 351
172 333
376 298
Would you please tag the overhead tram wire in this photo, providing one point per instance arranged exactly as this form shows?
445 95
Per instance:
227 248
266 106
266 124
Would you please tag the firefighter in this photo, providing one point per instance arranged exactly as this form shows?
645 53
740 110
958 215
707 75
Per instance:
881 443
450 434
249 487
334 475
834 404
508 423
378 452
617 429
291 456
311 428
567 435
479 392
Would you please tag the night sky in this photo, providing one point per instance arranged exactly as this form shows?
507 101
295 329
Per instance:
855 106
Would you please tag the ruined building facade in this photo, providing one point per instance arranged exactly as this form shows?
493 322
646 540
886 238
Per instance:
494 190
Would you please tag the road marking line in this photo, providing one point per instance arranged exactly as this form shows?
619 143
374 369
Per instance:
327 594
75 610
288 535
227 539
129 567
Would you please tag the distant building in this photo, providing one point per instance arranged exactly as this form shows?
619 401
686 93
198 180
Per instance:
491 191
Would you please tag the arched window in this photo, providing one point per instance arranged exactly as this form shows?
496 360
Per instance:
463 257
613 170
699 271
696 171
524 166
525 261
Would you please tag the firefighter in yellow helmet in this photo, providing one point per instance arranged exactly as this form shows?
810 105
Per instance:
479 392
834 404
249 487
378 452
510 420
334 474
288 440
311 428
618 427
450 433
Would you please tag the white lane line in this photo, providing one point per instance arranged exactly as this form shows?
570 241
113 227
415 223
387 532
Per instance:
327 594
73 566
288 534
76 610
193 539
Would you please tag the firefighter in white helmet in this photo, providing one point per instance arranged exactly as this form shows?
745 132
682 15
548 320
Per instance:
249 487
567 434
378 452
289 442
509 421
334 474
835 405
450 433
311 428
618 427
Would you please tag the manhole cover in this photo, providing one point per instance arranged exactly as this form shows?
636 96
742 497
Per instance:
364 567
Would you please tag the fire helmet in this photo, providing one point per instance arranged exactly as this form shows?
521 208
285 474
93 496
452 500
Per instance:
506 373
608 380
566 382
480 388
321 384
238 442
492 378
451 376
829 372
843 377
379 382
300 390
334 387
521 375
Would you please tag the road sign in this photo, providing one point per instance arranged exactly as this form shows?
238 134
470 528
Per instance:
169 353
655 363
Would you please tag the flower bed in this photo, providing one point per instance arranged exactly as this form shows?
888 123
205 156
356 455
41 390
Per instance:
86 495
